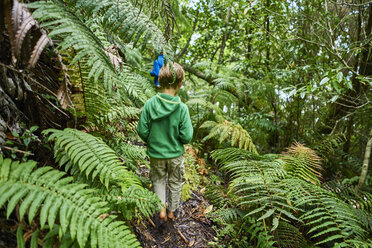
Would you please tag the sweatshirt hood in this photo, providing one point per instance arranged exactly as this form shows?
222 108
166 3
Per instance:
163 105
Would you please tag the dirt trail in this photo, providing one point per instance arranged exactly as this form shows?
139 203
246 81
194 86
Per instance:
191 228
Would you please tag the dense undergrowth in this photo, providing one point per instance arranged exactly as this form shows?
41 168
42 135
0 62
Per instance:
70 168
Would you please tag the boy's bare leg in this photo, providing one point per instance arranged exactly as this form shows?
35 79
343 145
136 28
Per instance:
176 171
158 177
163 214
171 215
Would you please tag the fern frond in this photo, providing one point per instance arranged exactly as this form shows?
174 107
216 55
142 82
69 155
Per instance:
302 162
129 152
58 199
216 195
225 215
231 154
288 236
134 88
135 198
224 97
330 219
204 104
350 194
328 145
257 185
77 35
123 19
225 129
90 156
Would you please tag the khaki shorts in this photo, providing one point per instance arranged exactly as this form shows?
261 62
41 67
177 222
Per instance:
173 168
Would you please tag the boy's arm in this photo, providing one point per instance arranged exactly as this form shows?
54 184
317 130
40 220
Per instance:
186 130
143 127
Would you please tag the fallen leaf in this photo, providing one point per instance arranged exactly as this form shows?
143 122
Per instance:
208 209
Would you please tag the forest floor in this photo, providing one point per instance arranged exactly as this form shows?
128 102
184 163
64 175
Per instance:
190 229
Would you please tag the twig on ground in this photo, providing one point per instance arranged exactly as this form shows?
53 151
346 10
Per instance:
183 237
152 223
16 150
166 240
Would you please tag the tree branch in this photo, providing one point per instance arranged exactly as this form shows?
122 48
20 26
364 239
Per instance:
198 74
184 50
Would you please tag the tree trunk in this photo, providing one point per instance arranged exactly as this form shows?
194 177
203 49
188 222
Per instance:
367 155
224 37
347 104
267 21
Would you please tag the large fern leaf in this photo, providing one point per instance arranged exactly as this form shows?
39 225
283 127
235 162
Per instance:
59 200
302 162
90 156
226 130
330 219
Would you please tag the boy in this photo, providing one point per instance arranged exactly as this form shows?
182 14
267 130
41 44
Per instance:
165 126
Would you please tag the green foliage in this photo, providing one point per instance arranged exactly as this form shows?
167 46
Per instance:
88 158
77 35
131 154
329 144
284 193
136 202
92 156
23 142
191 176
330 218
302 162
226 130
288 236
233 154
74 206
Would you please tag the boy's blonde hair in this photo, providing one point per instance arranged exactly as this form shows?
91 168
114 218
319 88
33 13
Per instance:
166 76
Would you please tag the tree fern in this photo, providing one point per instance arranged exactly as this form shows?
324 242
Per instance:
226 130
91 156
77 35
58 199
66 21
134 89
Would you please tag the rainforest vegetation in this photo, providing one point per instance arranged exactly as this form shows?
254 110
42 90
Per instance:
279 93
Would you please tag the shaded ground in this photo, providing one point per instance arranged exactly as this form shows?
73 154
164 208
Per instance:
191 228
8 229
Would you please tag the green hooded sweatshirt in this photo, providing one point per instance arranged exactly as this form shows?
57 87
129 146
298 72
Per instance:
165 125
